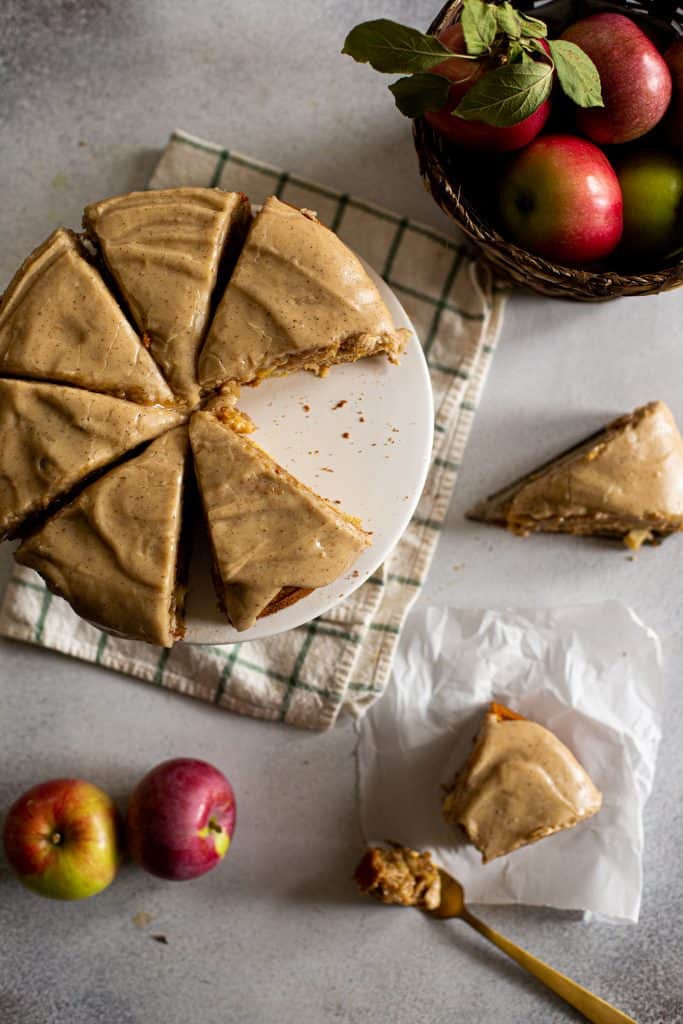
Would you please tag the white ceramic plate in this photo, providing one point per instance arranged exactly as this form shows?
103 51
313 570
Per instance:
377 472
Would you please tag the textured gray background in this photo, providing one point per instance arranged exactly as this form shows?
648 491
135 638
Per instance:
88 94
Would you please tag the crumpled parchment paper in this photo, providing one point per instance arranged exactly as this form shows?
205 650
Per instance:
592 674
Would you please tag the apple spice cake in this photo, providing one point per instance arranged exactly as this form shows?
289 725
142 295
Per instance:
81 393
624 482
114 552
273 539
59 322
163 249
298 299
519 784
399 875
56 437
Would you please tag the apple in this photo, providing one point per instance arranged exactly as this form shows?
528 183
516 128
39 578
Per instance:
180 819
560 198
636 83
477 134
61 839
652 187
674 118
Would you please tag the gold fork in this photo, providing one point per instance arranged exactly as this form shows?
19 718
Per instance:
591 1006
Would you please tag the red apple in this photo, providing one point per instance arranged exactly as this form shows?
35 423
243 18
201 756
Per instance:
636 84
61 839
560 198
180 819
477 134
674 117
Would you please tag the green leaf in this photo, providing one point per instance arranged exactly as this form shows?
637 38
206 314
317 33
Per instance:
479 26
507 95
534 28
576 73
508 20
516 52
393 48
420 92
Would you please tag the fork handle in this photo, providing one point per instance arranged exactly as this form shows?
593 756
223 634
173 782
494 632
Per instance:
592 1007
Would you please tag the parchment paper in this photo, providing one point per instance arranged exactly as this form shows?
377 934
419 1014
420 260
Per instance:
591 674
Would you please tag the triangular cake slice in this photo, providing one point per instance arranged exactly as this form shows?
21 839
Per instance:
164 249
114 552
273 539
298 299
626 481
59 322
53 437
520 784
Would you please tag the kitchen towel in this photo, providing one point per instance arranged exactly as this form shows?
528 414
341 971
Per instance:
343 659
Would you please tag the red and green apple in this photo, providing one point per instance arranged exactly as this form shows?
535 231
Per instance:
560 198
61 839
180 819
636 83
477 135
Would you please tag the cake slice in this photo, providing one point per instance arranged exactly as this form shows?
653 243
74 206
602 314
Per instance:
519 785
59 322
114 552
399 875
273 539
54 437
297 299
626 482
164 249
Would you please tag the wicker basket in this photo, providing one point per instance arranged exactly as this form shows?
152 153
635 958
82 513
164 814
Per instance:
454 180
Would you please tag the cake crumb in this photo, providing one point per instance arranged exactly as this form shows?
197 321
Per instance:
306 407
361 419
142 919
160 938
327 469
340 404
346 434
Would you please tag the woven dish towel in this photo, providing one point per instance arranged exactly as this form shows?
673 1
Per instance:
343 659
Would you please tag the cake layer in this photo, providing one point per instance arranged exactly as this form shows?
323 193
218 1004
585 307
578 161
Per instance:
273 539
113 552
54 437
164 249
59 322
625 481
298 299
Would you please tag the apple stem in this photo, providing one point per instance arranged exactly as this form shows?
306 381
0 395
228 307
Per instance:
214 826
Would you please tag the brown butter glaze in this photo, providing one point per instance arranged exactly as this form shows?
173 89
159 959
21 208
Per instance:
164 248
635 472
268 532
298 298
626 481
113 551
59 322
54 436
521 783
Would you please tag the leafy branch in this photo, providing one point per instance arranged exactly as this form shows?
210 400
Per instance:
520 64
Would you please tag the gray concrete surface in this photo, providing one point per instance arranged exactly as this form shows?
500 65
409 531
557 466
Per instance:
88 93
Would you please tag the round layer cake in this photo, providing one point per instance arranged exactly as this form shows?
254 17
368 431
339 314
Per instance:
122 354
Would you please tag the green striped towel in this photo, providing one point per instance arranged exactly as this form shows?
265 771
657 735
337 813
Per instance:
342 660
